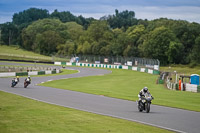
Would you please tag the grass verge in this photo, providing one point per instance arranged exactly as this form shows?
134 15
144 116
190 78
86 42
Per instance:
23 115
182 69
64 72
16 53
126 84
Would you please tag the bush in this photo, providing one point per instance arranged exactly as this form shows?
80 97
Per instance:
193 64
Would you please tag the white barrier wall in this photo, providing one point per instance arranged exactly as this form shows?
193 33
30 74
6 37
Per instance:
142 70
124 67
134 68
112 66
7 74
33 73
57 71
57 63
47 72
68 63
78 64
150 71
191 87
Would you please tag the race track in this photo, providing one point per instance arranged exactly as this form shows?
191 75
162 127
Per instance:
177 120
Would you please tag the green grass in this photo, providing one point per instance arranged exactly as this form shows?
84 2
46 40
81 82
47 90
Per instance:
64 72
126 84
16 53
23 115
182 69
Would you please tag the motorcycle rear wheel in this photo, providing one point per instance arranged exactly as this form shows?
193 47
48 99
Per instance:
139 107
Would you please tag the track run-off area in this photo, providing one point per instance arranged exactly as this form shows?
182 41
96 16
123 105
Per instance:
177 120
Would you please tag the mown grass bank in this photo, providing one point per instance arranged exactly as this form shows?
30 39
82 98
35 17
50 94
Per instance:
126 84
16 53
22 115
182 69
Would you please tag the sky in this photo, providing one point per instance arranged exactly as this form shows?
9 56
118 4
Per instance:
188 10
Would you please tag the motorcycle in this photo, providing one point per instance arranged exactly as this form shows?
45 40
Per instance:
13 84
144 103
26 83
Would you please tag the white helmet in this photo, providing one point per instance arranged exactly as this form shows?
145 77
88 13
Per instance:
145 89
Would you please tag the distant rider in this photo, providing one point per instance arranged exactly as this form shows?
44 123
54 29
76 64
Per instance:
28 80
16 79
143 92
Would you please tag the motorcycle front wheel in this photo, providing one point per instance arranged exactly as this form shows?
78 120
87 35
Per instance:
147 107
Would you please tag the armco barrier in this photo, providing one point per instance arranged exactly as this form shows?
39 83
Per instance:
147 70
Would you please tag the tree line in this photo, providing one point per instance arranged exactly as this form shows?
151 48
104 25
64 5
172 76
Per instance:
120 34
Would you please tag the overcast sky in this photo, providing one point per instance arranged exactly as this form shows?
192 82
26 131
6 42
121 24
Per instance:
144 9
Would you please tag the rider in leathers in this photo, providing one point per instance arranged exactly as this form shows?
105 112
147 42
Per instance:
143 92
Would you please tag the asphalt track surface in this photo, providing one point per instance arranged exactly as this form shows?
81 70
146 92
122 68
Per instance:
177 120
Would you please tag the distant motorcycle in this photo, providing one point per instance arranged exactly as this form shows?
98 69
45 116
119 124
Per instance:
26 83
14 83
144 103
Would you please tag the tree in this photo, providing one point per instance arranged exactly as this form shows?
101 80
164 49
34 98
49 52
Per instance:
135 32
119 42
86 48
46 42
97 29
8 33
74 30
121 19
37 32
64 16
195 56
66 49
30 15
157 44
175 52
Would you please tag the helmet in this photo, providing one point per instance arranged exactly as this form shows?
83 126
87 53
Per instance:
145 89
29 76
17 77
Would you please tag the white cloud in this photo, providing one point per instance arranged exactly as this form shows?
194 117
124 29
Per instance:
6 17
100 9
189 13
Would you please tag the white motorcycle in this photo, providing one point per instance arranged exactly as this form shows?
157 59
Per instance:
144 103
